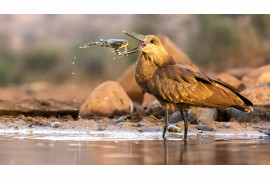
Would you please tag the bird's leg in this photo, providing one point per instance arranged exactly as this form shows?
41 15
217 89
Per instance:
165 123
185 123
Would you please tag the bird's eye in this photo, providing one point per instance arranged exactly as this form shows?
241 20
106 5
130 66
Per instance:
152 41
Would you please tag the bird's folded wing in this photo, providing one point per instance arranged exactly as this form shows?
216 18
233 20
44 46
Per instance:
179 85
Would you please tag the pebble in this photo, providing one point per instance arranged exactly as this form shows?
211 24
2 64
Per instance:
173 128
267 132
227 125
205 128
55 124
121 119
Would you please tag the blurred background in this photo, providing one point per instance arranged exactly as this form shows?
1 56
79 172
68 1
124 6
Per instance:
43 47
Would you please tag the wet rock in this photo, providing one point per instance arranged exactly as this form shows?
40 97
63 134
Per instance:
55 124
264 78
108 99
101 128
239 73
259 95
250 79
229 79
173 128
197 115
267 132
227 125
175 117
205 128
148 99
121 119
130 85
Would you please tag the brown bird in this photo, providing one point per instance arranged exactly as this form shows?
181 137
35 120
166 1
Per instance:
177 87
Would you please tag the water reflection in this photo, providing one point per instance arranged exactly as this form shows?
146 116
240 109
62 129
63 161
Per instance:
197 150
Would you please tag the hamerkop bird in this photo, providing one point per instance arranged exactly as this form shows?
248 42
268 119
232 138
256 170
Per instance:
177 87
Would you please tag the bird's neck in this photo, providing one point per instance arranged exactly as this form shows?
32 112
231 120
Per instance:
147 64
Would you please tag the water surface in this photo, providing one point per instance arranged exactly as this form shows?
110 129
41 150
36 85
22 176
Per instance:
105 148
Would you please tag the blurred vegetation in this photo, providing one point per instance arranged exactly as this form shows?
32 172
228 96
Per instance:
225 41
214 42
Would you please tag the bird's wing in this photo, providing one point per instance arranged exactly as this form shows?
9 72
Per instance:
175 84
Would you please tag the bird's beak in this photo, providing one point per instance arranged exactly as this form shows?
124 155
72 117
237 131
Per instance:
139 37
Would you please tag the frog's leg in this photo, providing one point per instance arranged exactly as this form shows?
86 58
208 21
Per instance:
117 51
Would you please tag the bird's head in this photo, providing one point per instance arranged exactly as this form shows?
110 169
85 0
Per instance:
149 43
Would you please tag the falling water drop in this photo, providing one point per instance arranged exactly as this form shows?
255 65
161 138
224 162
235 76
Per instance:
73 62
114 58
75 57
73 73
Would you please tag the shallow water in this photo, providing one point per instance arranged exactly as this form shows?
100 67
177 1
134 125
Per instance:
129 148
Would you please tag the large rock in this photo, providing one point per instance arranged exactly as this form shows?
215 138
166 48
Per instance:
197 115
229 79
250 79
240 116
130 85
239 73
108 99
258 95
264 78
178 55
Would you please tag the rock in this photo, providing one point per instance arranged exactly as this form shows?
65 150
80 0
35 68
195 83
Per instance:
108 99
197 115
229 79
55 124
267 132
178 55
173 128
205 128
155 109
148 99
258 95
121 119
130 85
175 117
239 72
264 78
250 79
227 125
240 116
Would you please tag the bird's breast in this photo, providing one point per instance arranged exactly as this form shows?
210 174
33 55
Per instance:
144 72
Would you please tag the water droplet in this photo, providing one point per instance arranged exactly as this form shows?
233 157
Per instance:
75 58
73 73
114 58
73 62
